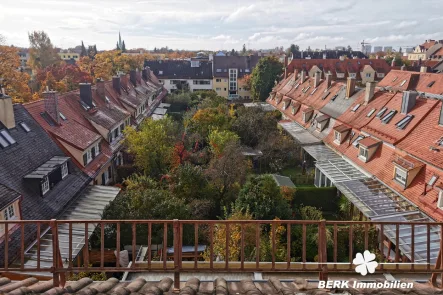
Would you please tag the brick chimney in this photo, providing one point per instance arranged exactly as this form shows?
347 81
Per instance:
145 74
6 110
302 76
317 79
100 88
408 101
51 105
286 61
369 93
139 77
393 62
350 87
403 68
124 82
423 69
328 80
133 77
86 94
116 84
286 73
295 74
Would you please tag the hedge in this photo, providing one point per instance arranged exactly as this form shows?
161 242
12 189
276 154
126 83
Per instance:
324 198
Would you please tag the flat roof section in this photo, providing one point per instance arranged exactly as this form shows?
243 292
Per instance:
300 134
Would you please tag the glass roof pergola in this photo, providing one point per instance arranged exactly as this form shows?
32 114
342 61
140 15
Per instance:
338 170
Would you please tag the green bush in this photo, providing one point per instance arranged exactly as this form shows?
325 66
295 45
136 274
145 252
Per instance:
324 198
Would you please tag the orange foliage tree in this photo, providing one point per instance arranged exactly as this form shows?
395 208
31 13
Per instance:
14 81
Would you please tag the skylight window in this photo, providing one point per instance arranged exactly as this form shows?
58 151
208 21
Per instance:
84 105
334 97
356 107
370 113
403 82
325 95
25 127
386 119
3 142
8 137
313 91
62 116
107 99
404 122
357 140
395 79
432 180
381 112
93 104
430 84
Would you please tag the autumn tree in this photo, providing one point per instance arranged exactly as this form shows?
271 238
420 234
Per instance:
153 145
92 51
41 53
265 73
218 140
13 80
205 120
123 46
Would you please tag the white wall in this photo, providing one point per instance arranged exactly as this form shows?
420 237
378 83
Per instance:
168 86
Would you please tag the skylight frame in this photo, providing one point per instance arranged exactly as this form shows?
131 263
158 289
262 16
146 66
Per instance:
62 116
3 143
433 180
395 79
84 105
431 84
381 112
371 112
403 82
355 108
25 127
7 136
404 122
325 95
313 91
388 117
355 143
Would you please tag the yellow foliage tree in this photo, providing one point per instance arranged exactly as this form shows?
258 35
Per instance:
14 81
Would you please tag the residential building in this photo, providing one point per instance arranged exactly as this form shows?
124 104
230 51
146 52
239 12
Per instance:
387 48
425 50
379 146
367 49
437 55
193 74
228 73
23 54
327 54
88 124
38 181
364 70
69 56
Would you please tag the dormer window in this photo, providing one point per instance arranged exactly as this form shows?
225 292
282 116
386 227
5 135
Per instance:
380 75
400 175
307 115
337 137
322 122
65 170
87 157
295 108
352 75
363 153
45 185
9 213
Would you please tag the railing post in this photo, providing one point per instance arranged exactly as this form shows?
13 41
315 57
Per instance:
176 240
322 244
54 231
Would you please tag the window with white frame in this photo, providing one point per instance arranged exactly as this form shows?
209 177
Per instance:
217 80
363 153
340 75
160 72
65 171
368 75
400 175
380 75
9 213
440 200
352 75
45 185
337 136
218 89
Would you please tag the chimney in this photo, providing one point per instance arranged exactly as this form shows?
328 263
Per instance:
377 57
317 79
286 73
116 84
100 87
408 101
6 110
133 77
393 62
295 74
145 74
350 87
302 76
124 82
86 94
301 54
342 58
403 68
139 77
423 69
328 80
370 89
286 61
324 55
51 105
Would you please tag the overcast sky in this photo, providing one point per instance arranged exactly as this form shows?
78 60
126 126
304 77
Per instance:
223 24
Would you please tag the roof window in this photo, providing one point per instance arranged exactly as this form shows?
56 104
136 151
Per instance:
25 127
404 122
403 82
5 134
381 112
62 116
430 84
356 107
371 112
386 119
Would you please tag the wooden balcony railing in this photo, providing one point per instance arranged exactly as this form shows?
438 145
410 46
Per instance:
413 246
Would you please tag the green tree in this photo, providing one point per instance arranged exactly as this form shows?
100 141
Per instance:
92 51
153 145
41 53
123 46
266 71
244 49
292 48
83 52
218 140
262 196
349 48
205 120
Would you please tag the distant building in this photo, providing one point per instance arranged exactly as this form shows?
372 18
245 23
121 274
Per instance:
23 54
327 54
408 49
367 49
387 48
378 49
194 74
228 73
69 56
425 50
340 48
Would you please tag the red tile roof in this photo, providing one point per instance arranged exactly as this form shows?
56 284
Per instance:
428 44
438 52
368 142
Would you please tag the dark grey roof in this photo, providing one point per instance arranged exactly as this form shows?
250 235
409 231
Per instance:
335 108
31 150
180 69
7 196
330 54
47 167
283 180
222 64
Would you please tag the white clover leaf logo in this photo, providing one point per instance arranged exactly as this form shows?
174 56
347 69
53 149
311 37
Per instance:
365 263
